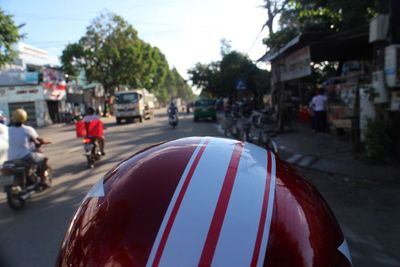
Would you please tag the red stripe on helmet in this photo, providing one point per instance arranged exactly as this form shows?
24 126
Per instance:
220 210
178 202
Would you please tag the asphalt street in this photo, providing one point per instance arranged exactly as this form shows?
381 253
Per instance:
32 237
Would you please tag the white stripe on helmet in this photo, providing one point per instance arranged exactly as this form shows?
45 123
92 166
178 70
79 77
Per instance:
268 220
239 232
190 229
172 204
184 244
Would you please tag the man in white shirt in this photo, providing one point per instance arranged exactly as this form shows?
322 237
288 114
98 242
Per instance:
318 104
23 140
3 140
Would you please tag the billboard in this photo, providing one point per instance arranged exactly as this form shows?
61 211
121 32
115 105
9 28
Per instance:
292 66
18 77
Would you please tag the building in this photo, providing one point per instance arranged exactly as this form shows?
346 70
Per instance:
33 84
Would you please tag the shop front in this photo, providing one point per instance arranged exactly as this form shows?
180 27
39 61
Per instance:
31 98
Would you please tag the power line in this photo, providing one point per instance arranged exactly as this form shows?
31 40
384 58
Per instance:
258 36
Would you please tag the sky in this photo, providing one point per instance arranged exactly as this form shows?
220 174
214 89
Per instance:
186 31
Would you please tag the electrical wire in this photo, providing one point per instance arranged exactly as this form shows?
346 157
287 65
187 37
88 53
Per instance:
253 44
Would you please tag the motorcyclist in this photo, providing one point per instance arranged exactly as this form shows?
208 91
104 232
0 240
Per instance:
24 142
172 109
92 116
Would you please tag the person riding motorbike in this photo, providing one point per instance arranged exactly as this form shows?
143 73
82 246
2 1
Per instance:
24 142
172 110
92 116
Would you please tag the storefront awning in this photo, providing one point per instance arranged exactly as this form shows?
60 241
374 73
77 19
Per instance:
348 45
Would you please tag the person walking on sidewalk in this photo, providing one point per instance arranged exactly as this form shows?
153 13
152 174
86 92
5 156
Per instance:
319 105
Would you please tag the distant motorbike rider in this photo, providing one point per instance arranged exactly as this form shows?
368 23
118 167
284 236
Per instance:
92 116
24 142
172 110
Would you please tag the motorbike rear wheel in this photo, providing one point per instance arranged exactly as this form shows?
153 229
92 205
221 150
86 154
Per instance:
14 201
90 161
49 177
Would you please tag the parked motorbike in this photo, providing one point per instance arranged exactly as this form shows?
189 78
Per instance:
71 119
259 131
92 150
230 126
20 180
173 120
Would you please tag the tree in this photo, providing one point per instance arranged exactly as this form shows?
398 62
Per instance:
112 53
219 78
274 8
8 37
226 47
205 77
301 16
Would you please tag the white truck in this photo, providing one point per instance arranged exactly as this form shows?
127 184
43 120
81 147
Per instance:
132 104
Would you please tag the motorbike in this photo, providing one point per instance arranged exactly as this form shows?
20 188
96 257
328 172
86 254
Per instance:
259 132
20 181
92 150
173 120
230 126
71 119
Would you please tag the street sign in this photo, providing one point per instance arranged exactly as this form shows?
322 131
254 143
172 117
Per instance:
241 85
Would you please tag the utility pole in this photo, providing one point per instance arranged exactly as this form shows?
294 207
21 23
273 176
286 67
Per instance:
394 29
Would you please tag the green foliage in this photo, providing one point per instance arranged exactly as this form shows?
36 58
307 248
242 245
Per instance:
8 37
279 39
112 53
377 141
219 78
301 16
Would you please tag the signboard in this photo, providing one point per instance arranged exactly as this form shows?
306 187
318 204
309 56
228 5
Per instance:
55 94
392 65
241 85
22 93
292 66
18 77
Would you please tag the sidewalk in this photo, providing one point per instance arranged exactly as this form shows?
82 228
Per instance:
320 152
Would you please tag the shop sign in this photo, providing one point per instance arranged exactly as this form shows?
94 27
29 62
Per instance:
23 93
292 66
55 95
18 77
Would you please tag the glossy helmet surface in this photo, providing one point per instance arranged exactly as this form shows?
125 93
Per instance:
19 115
203 201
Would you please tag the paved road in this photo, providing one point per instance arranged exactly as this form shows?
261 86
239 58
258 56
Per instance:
32 237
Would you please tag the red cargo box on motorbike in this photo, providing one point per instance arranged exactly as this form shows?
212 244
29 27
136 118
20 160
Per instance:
89 129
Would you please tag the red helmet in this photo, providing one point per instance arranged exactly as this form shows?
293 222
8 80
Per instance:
203 201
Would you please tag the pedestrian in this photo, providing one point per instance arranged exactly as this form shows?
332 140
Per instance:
318 104
313 117
3 138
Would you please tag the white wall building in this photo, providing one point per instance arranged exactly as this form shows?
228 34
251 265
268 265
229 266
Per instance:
21 87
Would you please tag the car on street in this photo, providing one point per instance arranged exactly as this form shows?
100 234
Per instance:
205 109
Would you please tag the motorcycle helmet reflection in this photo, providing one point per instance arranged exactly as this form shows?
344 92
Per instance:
203 201
19 115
